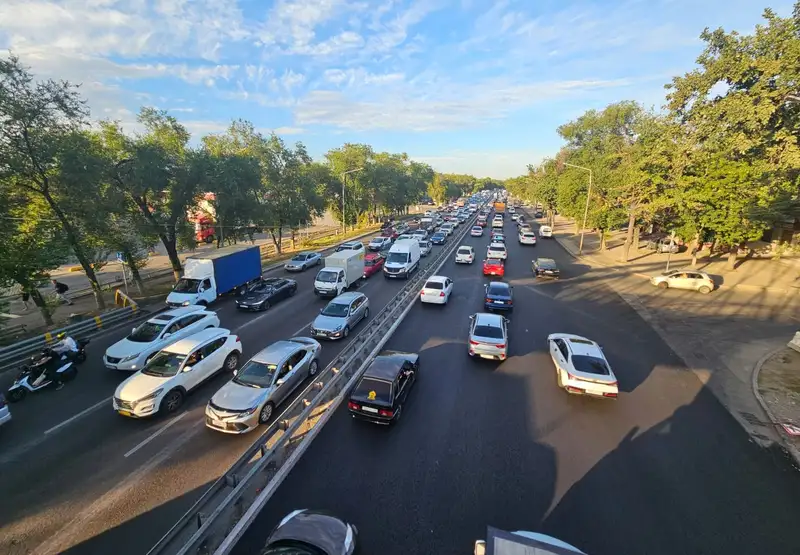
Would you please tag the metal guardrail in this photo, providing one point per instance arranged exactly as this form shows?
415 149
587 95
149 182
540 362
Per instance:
18 352
218 519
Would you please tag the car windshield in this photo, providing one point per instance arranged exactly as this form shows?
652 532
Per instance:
370 261
398 257
499 289
186 285
434 285
327 276
492 332
373 390
337 310
146 333
438 236
164 364
300 258
256 374
590 365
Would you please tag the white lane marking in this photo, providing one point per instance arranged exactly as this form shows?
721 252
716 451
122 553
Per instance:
84 412
301 329
160 431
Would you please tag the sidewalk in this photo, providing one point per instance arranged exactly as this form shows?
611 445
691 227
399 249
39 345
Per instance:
776 384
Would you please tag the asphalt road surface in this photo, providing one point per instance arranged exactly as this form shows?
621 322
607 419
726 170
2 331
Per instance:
663 470
78 478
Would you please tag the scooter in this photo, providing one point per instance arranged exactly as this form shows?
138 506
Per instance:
26 379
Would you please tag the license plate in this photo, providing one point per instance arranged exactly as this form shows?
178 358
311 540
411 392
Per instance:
499 302
126 413
369 409
218 423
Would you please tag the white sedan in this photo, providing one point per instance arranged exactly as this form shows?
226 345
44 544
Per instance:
477 231
437 290
465 255
581 366
545 231
497 250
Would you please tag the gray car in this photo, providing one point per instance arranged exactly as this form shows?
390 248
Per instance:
303 260
262 384
342 314
305 532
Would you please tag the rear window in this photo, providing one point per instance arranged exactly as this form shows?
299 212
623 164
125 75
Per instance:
434 285
497 289
488 331
493 248
463 250
373 390
590 365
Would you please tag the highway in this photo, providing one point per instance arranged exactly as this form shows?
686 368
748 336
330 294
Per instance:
78 478
663 470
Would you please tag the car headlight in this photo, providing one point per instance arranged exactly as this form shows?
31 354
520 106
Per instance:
185 303
150 397
251 410
130 358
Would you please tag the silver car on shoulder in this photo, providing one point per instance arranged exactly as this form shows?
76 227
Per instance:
488 336
342 314
262 384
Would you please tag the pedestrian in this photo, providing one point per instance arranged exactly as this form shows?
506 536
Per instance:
25 298
61 289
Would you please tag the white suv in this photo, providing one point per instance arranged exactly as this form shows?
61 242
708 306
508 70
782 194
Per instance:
133 352
175 371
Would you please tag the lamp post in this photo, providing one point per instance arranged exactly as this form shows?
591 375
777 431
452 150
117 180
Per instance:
344 181
586 209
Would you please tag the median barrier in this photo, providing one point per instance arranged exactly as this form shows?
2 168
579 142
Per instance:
218 519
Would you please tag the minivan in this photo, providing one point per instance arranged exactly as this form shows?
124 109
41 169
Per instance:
403 259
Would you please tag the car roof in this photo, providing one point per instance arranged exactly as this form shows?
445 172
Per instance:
180 311
545 261
501 284
583 346
486 319
372 256
387 364
189 344
275 353
439 279
347 297
350 244
497 245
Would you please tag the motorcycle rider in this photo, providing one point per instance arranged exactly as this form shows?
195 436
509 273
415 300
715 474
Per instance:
66 344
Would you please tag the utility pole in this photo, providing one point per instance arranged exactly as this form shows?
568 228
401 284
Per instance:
586 209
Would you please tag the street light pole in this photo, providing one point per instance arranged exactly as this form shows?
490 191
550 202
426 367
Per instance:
344 181
586 209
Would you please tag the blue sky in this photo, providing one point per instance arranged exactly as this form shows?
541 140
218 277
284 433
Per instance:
473 86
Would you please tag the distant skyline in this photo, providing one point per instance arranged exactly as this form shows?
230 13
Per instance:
468 86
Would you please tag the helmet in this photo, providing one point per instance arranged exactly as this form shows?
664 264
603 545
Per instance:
61 336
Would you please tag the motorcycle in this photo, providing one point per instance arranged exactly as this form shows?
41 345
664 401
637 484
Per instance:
67 371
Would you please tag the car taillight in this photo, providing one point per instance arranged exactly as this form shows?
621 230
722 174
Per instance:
471 342
386 413
488 300
236 339
501 346
441 294
613 395
353 406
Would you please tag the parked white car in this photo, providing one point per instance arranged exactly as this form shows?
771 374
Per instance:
175 371
692 280
437 290
465 255
545 231
133 352
581 366
497 250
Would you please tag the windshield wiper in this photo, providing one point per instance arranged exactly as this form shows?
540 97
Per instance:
246 384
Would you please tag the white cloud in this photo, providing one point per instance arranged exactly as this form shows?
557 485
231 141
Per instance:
356 77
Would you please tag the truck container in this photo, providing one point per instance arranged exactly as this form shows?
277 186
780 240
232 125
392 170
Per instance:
342 269
207 276
499 207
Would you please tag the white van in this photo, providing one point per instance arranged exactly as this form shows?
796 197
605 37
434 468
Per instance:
402 260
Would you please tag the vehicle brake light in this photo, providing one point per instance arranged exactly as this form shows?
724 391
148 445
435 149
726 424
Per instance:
386 413
488 300
236 339
441 294
471 342
614 395
353 406
501 346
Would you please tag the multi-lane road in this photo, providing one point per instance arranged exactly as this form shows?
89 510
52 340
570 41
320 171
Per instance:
663 470
77 477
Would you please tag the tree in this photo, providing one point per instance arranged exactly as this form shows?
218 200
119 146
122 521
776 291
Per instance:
437 190
44 151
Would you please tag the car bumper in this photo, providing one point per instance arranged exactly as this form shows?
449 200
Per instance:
464 260
231 422
498 306
250 307
327 334
370 418
127 366
553 275
432 299
325 293
130 409
487 353
578 387
527 242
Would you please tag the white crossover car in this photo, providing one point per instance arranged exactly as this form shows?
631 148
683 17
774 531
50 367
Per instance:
133 352
175 371
527 238
437 290
497 250
465 255
581 366
545 231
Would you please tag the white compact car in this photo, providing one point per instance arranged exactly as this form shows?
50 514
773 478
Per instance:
175 371
497 250
527 237
581 366
133 352
497 222
476 231
437 290
545 231
465 255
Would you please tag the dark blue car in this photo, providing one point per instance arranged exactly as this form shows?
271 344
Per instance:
438 238
499 296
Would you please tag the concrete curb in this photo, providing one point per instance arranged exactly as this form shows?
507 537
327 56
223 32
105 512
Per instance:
791 449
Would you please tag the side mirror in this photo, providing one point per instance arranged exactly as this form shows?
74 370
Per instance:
187 368
320 310
235 371
133 330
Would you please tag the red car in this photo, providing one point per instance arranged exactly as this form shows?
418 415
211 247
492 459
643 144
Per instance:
494 267
390 232
482 223
373 262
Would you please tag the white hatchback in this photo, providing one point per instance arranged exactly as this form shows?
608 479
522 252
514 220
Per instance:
527 238
497 250
437 290
581 366
545 231
465 255
175 371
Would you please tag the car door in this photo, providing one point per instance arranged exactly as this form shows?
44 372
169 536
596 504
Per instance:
693 280
195 369
214 355
355 311
298 368
448 287
280 289
281 384
557 354
679 281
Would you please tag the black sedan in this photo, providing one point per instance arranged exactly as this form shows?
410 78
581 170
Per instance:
305 532
546 267
261 295
383 389
499 296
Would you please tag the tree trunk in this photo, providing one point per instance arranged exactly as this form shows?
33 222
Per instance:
602 234
72 239
134 266
577 227
294 239
696 249
276 240
167 240
41 304
626 248
636 234
732 254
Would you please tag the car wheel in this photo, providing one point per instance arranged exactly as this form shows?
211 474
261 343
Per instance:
313 368
366 313
265 306
292 291
16 395
172 401
231 362
705 290
346 331
663 285
266 413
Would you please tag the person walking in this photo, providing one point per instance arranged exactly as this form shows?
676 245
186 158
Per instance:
61 289
25 298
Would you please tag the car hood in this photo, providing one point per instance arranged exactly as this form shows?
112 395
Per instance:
139 385
325 532
328 323
254 298
125 348
296 262
234 396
